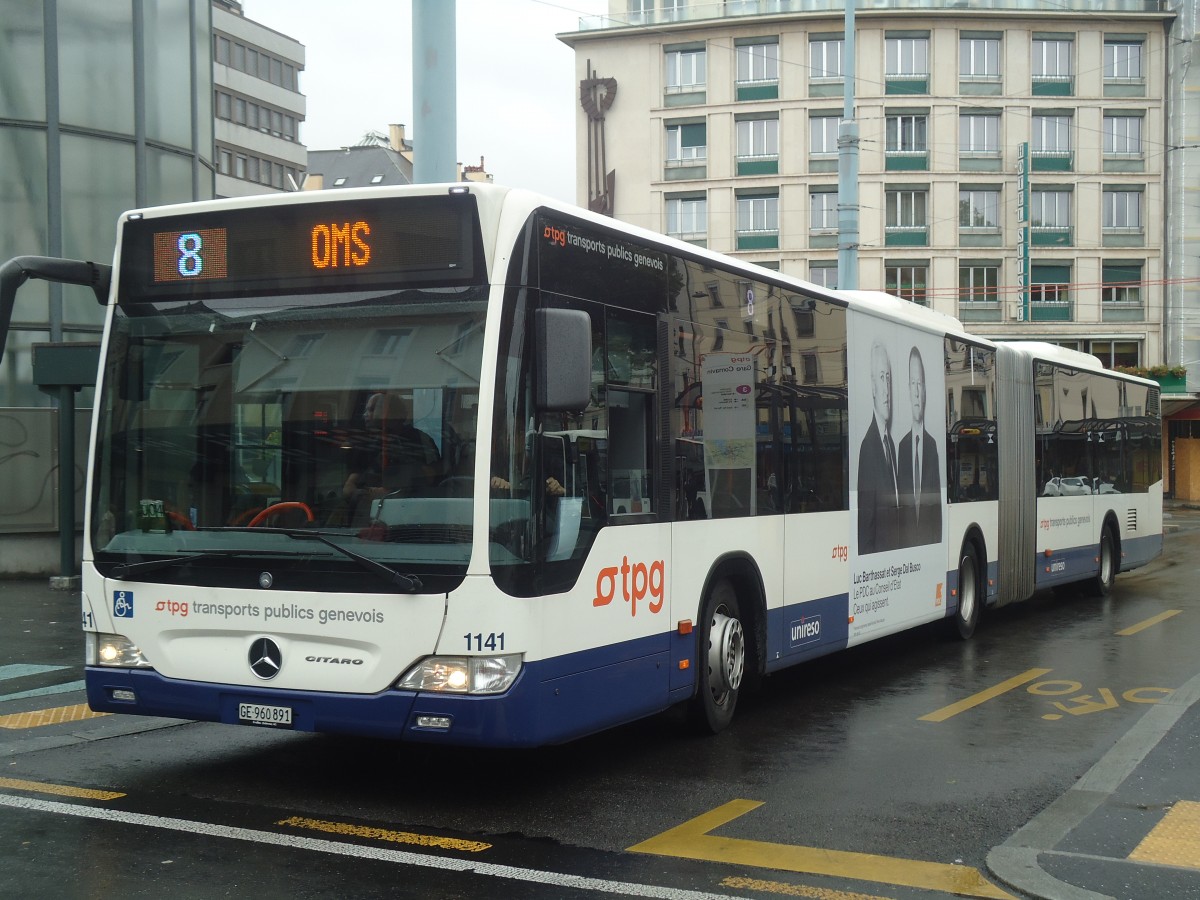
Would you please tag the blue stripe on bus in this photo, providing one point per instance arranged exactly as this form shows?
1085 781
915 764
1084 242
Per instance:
552 701
806 630
1076 564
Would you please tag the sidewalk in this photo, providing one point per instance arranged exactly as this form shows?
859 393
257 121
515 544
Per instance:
1130 827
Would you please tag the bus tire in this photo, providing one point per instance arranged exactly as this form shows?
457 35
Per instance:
970 602
722 659
1101 584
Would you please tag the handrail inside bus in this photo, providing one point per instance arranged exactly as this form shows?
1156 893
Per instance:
20 269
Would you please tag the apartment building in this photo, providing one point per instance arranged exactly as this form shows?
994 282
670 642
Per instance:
1011 157
257 105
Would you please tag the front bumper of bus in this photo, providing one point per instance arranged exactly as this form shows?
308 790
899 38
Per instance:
550 701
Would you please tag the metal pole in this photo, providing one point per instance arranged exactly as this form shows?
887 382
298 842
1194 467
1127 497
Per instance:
848 238
435 154
66 481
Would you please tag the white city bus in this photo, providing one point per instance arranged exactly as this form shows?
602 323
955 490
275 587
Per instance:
459 464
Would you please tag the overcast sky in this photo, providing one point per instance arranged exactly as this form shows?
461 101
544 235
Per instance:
517 89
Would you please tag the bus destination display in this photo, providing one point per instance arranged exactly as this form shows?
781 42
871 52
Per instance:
316 246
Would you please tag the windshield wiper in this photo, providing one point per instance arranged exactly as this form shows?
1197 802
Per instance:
410 583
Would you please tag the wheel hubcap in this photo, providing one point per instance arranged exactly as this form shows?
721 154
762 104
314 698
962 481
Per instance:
966 591
726 654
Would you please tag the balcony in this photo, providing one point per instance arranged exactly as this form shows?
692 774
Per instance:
906 161
767 164
757 90
1051 311
1053 86
758 240
902 236
1052 161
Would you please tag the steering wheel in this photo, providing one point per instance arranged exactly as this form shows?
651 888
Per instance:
264 514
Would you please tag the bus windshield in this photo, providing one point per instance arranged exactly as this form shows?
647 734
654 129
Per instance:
227 424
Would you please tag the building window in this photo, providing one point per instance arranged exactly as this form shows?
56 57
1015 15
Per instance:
1122 135
757 146
823 135
1122 283
1122 210
339 181
906 209
376 179
1050 209
1052 69
641 12
823 211
1050 143
906 57
758 137
979 134
979 209
907 133
222 50
906 142
685 71
979 58
1116 353
224 162
823 274
224 105
825 59
686 144
239 166
687 218
758 222
758 213
909 282
758 62
1122 60
1050 284
978 284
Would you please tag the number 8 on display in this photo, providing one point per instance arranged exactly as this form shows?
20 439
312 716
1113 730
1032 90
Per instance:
191 263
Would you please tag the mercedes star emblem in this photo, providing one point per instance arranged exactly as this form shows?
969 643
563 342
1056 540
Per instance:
265 658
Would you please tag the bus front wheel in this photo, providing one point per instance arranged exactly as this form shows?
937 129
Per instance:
722 659
966 617
1102 583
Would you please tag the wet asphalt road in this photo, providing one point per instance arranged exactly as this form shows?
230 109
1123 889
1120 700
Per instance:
858 753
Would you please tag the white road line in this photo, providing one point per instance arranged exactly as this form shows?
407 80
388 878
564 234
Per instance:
380 854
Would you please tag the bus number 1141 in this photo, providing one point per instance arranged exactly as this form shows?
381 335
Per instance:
479 642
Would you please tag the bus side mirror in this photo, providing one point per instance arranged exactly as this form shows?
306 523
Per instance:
563 343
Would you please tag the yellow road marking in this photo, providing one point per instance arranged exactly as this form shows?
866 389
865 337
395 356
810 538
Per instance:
793 890
38 717
991 693
1175 841
383 834
62 790
1153 620
691 840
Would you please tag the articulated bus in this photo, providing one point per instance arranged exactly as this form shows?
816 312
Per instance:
462 465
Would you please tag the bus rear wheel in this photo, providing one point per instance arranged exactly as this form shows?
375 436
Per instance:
722 659
1102 584
966 617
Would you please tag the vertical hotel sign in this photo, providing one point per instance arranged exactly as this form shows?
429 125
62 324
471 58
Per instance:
729 428
1023 311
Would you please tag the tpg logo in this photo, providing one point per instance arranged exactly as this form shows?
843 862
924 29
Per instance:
806 631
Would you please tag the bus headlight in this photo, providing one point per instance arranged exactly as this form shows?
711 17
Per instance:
462 674
113 650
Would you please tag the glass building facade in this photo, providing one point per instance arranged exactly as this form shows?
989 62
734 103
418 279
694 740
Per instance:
103 107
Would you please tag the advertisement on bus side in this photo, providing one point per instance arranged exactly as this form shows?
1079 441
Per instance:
897 476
